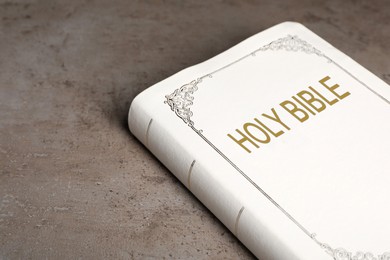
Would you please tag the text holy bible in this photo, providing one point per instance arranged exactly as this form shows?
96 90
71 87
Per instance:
285 139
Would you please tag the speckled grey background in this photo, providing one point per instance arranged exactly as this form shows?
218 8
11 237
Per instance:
74 183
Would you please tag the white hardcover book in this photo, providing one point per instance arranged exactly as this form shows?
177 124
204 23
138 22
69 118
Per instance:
285 139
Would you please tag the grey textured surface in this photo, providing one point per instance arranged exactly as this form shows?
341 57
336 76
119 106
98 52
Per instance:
74 183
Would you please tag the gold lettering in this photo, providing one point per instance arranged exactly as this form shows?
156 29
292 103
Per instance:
267 137
332 88
311 100
268 129
242 140
276 118
302 104
294 110
334 101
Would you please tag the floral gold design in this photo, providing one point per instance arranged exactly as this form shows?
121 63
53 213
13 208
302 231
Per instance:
181 100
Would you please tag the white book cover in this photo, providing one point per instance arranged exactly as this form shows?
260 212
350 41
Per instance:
285 139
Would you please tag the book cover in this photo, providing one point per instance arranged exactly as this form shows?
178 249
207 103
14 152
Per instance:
285 139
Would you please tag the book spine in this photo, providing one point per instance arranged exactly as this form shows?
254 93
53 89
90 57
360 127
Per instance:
174 153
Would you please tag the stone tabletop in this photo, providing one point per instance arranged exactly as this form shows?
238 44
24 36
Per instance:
74 183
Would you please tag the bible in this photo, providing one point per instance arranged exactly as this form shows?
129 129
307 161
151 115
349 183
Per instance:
285 139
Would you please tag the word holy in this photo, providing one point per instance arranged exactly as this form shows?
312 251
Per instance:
302 106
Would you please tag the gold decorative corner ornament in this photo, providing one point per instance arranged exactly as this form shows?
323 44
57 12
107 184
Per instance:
181 100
